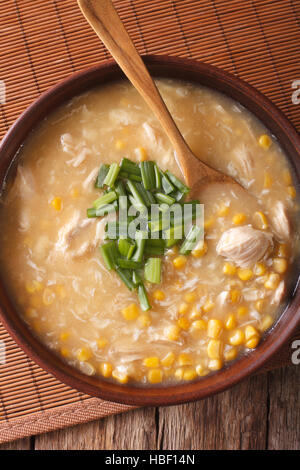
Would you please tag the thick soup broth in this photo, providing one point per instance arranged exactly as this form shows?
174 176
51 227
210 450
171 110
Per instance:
212 305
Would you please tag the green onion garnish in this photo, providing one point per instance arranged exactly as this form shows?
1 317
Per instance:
177 183
191 240
152 272
143 298
102 175
112 174
109 253
148 174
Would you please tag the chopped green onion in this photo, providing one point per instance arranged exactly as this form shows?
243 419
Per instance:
163 198
128 264
166 184
177 195
152 272
139 252
126 247
143 298
101 175
107 198
191 240
133 188
103 210
130 167
173 235
157 177
125 276
136 278
109 254
112 174
130 176
177 183
154 250
148 174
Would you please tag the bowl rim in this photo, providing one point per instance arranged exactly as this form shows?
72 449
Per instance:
190 70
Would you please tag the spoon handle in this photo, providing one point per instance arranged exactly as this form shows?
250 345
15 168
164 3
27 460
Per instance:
105 21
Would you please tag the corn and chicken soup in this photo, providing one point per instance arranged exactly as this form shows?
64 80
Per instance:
213 303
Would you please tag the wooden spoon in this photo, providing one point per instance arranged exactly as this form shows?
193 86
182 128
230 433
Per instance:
103 18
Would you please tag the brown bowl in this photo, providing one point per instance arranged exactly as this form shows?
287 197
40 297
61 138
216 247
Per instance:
288 138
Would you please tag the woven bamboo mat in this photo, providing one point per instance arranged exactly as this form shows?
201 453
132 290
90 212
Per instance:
42 42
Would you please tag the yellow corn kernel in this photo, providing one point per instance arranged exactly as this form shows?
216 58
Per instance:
252 343
214 328
48 296
120 144
189 374
101 343
230 322
159 295
292 191
266 322
184 360
64 352
142 154
64 335
199 252
215 364
131 312
60 289
173 333
260 220
272 281
245 274
105 369
183 323
236 338
250 331
199 325
168 360
83 354
239 218
223 210
214 349
30 312
208 223
195 313
179 373
201 371
183 308
235 296
190 297
264 141
151 361
230 354
242 311
259 269
259 305
287 178
56 203
280 265
155 376
74 193
120 376
208 306
282 251
268 181
229 269
144 320
179 262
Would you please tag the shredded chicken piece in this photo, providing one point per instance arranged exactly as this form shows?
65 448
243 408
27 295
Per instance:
279 293
280 222
244 245
244 160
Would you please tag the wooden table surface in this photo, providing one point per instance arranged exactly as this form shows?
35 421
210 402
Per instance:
263 412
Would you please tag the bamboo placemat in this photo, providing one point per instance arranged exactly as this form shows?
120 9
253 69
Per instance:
42 42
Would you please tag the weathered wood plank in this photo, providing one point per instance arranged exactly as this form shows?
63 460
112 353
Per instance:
20 444
284 409
235 419
133 430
